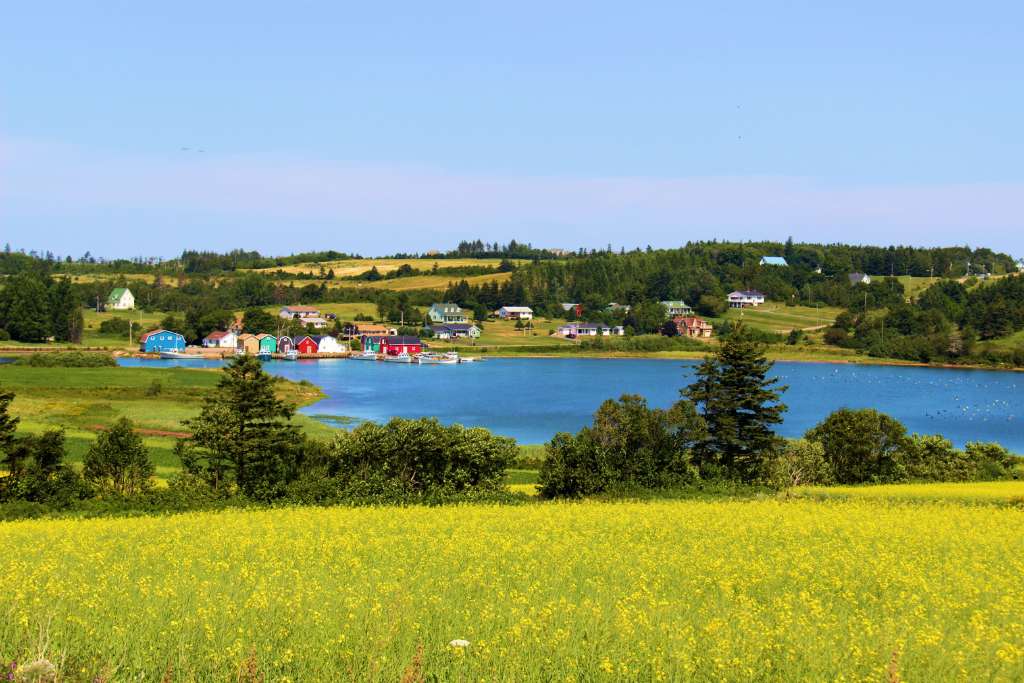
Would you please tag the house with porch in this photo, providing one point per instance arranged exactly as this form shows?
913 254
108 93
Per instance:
447 313
515 313
575 330
455 331
749 298
676 308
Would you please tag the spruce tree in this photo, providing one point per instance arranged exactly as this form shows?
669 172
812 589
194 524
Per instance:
740 404
242 434
8 423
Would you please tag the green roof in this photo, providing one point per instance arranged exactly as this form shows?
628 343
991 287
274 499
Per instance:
116 294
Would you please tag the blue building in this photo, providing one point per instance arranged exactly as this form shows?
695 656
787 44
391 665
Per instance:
161 340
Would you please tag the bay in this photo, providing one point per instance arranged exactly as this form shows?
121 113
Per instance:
531 399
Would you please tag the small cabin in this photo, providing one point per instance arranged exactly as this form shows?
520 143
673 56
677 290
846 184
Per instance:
284 344
267 343
305 345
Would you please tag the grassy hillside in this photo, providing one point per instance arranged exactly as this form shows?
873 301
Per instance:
673 590
777 317
86 400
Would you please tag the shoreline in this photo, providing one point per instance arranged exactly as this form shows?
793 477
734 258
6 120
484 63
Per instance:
773 355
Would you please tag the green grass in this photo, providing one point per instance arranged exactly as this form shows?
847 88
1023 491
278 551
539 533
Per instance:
779 318
83 401
142 320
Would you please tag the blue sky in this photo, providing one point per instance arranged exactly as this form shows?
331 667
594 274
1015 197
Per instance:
382 128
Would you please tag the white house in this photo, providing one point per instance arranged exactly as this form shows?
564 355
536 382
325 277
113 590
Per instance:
746 299
317 322
859 279
289 312
121 299
446 313
676 308
572 330
455 331
328 344
515 313
220 340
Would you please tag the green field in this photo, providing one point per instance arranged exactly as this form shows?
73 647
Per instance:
779 318
86 400
765 590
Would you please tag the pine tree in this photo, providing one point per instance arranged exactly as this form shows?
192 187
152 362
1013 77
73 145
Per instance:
8 423
242 434
740 404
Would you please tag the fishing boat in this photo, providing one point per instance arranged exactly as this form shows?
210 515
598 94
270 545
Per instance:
264 355
291 354
364 355
470 359
436 359
179 355
398 358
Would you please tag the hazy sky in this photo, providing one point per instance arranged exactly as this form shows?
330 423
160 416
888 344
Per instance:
389 127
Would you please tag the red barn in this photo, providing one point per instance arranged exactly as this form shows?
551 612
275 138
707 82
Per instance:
305 345
393 346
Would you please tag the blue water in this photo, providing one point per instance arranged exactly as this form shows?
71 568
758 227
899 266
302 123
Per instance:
532 398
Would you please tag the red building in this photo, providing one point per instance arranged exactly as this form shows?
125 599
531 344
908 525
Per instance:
692 326
393 346
306 345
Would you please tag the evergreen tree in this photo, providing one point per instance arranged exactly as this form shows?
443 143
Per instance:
8 423
24 308
118 460
242 435
740 404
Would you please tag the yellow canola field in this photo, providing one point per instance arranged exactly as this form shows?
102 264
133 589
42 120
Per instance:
1005 491
766 590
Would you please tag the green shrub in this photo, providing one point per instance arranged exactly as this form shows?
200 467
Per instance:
799 462
862 446
628 445
68 359
115 326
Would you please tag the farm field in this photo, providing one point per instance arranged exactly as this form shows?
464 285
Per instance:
350 267
142 320
85 400
671 590
997 492
777 317
400 284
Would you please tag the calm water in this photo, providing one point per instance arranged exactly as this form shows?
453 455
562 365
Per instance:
532 398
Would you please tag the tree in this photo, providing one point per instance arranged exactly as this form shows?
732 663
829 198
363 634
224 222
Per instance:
628 444
861 445
8 424
257 320
24 308
740 404
242 435
118 461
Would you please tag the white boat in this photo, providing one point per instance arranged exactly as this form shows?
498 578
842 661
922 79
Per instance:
436 359
364 355
469 359
179 355
399 358
291 354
